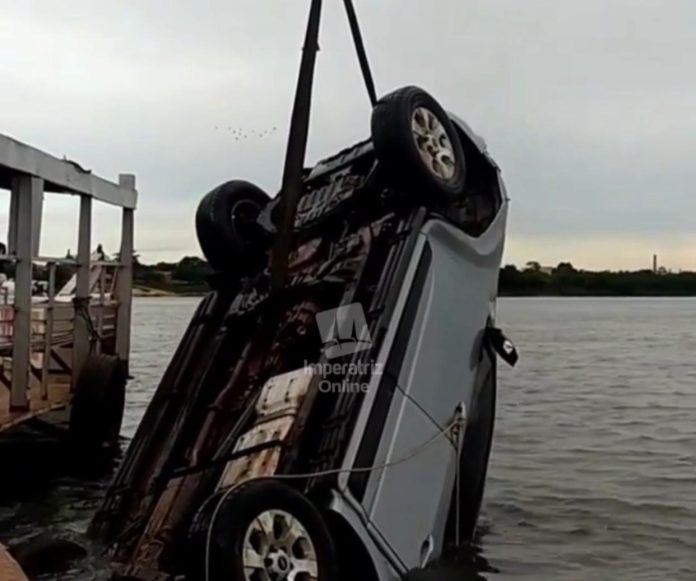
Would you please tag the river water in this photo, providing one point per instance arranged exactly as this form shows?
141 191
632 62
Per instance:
593 472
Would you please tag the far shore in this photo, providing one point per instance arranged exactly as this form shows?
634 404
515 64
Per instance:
144 293
154 293
189 277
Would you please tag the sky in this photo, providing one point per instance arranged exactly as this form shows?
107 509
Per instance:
588 106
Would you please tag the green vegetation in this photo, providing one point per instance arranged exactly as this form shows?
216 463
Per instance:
186 277
564 280
189 277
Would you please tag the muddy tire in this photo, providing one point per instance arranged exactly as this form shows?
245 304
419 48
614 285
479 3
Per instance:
98 403
263 529
230 238
418 146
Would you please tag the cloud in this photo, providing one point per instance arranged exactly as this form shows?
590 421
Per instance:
587 105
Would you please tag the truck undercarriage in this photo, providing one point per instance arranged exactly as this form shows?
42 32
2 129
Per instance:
257 389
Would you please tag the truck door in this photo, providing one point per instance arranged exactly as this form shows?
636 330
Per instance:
430 369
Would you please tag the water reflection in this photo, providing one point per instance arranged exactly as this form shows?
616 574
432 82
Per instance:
468 564
592 469
47 499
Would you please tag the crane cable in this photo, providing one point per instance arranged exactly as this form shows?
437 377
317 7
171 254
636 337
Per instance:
292 184
360 49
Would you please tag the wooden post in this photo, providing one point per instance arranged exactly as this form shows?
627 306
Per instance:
48 329
13 219
27 191
36 218
102 304
37 213
81 334
125 278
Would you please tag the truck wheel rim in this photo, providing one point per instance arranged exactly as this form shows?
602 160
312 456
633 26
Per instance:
243 216
277 547
433 143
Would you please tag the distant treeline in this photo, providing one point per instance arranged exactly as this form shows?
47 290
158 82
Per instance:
189 276
565 280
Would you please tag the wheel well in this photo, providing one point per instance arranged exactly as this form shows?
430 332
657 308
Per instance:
353 557
482 186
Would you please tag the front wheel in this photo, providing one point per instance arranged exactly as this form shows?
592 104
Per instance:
419 147
98 404
227 229
266 531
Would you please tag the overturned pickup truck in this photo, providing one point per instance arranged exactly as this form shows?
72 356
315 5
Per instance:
339 428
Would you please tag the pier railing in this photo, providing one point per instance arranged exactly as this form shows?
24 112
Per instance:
45 341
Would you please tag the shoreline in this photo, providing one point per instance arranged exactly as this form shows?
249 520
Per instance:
157 294
596 296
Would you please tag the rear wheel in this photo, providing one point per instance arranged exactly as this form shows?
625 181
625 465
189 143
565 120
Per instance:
262 531
98 403
227 229
419 146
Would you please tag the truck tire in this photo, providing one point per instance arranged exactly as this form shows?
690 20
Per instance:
98 403
230 238
263 529
418 146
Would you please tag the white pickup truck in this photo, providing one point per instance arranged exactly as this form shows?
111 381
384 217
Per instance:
339 428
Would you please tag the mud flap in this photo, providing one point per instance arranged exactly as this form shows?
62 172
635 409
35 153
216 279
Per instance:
500 344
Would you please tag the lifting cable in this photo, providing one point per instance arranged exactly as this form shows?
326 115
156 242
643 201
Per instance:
360 49
81 305
292 184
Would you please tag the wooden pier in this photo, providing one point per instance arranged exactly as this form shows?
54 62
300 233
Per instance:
46 341
9 569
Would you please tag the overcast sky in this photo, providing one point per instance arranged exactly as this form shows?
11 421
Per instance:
589 106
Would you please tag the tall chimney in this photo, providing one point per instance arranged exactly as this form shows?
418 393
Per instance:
655 263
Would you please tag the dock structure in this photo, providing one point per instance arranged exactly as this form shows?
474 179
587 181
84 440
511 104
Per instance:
45 340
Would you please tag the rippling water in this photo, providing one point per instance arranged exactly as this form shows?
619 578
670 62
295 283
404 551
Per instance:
593 473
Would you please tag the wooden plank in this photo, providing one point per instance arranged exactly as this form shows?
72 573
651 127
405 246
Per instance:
81 331
49 313
62 175
9 569
28 190
58 396
124 291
